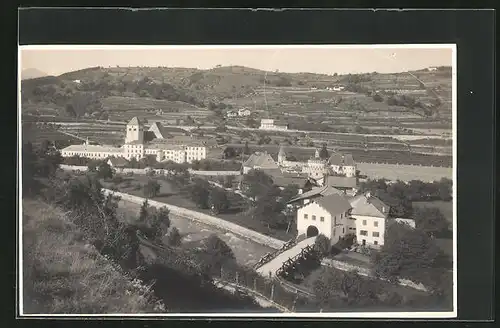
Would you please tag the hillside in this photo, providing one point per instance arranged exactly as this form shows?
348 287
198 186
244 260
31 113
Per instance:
220 84
63 274
31 73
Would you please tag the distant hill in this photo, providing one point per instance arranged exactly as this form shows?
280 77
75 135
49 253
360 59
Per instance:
31 73
84 89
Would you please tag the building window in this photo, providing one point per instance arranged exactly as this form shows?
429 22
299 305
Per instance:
376 234
364 222
322 218
375 223
363 232
341 215
305 216
343 230
314 217
375 242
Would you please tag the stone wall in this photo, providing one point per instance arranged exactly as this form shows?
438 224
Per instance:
206 219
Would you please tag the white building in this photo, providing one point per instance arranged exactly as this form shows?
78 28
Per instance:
268 124
180 149
259 161
244 112
231 114
329 215
370 215
342 164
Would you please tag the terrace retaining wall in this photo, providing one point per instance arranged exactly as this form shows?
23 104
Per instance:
205 219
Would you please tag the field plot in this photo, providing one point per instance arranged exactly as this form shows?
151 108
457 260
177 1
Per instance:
404 172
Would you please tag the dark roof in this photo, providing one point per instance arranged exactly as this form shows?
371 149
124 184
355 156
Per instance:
318 191
118 161
339 159
284 179
341 182
334 204
134 121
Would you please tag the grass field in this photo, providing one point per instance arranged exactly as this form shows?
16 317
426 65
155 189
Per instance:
170 195
404 172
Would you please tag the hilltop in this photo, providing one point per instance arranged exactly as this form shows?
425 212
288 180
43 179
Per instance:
31 73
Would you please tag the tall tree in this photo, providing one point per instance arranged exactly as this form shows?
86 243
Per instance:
256 183
151 188
199 192
218 200
409 253
430 220
323 153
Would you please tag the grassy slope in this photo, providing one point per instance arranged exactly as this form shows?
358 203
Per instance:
61 274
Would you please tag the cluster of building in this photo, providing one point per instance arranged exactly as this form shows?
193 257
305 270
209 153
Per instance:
165 144
328 202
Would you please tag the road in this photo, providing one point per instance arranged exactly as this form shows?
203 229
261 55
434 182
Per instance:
277 262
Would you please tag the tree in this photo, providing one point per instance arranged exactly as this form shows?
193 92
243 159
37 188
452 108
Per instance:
143 212
218 200
104 171
408 253
199 192
256 183
228 181
229 152
173 237
269 210
151 188
323 154
378 98
322 245
158 222
430 220
246 150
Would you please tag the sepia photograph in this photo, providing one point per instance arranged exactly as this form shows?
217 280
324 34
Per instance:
237 180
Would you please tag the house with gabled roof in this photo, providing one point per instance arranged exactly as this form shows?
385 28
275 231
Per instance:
342 164
370 215
315 193
259 161
329 215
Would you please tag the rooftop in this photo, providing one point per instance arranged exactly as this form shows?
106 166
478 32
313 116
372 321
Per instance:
134 121
339 159
318 191
261 160
369 206
93 148
341 182
334 204
118 161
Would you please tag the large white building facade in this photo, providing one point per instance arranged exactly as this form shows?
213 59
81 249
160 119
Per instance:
184 150
317 168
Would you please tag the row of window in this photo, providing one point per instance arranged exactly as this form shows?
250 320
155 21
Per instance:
313 217
365 233
375 223
88 154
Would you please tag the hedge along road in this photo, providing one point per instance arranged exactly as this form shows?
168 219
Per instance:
247 252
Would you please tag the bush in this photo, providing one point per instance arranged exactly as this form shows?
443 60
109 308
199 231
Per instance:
63 275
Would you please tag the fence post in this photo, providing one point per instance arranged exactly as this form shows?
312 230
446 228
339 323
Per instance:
272 292
237 276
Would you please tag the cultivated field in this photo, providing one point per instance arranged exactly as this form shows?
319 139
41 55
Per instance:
404 172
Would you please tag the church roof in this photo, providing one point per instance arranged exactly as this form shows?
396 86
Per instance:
134 121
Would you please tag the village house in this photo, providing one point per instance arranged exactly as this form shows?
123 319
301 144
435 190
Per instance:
268 124
329 215
244 112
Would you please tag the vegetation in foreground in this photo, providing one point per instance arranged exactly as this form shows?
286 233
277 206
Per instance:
62 273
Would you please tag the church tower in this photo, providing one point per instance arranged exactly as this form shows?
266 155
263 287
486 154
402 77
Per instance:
135 131
281 156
